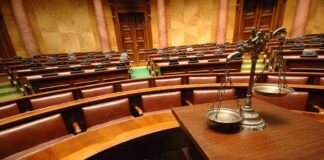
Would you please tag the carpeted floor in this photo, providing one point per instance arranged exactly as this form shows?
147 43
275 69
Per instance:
140 72
246 66
7 92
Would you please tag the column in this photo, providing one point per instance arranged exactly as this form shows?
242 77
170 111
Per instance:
222 21
24 28
300 20
101 23
163 39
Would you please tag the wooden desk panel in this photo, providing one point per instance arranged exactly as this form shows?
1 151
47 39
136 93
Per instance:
295 63
287 136
37 81
185 67
91 142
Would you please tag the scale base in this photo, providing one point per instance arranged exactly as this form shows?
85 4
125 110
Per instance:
251 120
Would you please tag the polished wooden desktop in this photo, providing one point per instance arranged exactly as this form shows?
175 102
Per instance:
304 64
202 65
36 82
287 136
89 143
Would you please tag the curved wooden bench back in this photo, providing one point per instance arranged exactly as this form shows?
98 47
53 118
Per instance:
24 104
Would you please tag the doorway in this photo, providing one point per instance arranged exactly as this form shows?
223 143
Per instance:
132 34
261 14
132 22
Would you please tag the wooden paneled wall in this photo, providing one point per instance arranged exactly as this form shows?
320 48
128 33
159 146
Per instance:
70 25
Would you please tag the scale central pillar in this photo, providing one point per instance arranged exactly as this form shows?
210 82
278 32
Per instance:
251 120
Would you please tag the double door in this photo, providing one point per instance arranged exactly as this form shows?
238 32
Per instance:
133 35
261 14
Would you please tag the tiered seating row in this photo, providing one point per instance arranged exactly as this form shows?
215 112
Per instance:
53 124
24 104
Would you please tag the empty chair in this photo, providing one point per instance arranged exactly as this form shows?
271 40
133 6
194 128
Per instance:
293 101
98 91
167 82
106 112
209 96
161 101
202 80
289 79
26 138
42 102
9 110
134 85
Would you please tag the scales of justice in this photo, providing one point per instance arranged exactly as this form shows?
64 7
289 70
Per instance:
245 117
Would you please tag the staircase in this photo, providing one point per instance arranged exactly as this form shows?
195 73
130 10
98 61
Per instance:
7 92
246 66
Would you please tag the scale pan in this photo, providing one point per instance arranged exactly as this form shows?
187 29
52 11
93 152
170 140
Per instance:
272 90
225 117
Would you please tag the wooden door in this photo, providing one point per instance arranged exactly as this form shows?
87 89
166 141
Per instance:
132 29
261 14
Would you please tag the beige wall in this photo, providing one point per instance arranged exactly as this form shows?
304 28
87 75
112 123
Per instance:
154 24
315 21
12 28
289 14
110 25
70 25
230 20
191 21
63 25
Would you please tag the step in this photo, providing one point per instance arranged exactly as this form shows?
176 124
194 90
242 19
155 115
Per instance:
7 91
5 85
10 97
249 67
3 78
258 61
248 71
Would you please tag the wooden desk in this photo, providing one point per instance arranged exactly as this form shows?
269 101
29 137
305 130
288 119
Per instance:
287 136
185 67
91 142
296 63
37 81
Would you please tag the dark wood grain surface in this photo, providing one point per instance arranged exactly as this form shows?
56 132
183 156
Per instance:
287 136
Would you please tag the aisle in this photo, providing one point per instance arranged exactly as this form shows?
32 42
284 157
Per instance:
7 92
140 72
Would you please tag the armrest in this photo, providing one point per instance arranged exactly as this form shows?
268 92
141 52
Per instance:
320 110
139 110
76 127
188 103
